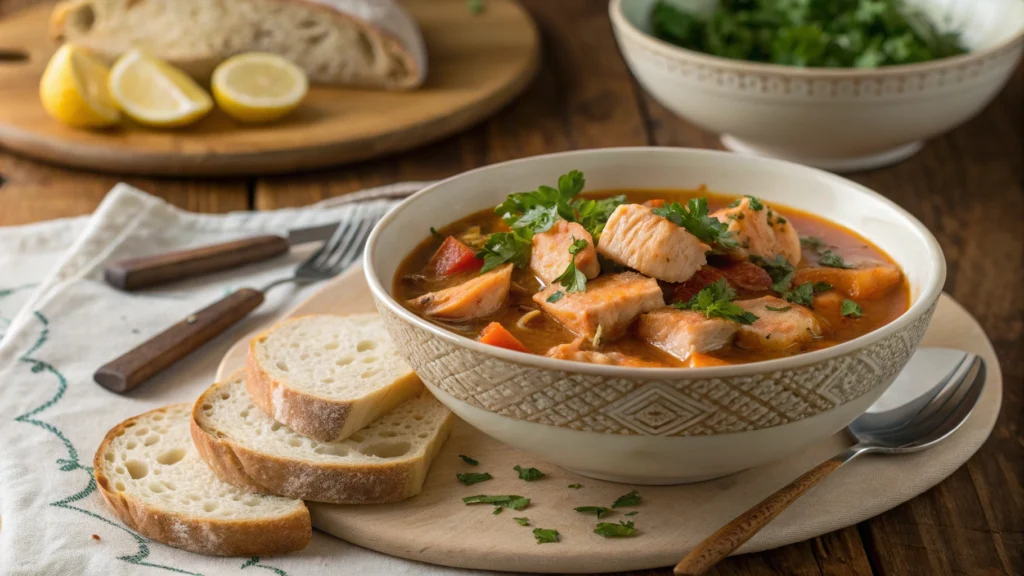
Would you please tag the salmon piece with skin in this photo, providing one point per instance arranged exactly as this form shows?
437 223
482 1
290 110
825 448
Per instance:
639 239
867 281
787 326
574 351
682 333
550 256
761 232
476 298
611 302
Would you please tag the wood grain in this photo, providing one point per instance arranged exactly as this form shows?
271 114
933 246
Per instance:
478 62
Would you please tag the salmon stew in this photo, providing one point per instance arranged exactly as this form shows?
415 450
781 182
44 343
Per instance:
666 278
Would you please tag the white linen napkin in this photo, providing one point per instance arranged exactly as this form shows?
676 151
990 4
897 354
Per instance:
59 322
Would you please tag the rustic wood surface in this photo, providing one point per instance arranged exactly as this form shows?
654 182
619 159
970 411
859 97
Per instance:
966 186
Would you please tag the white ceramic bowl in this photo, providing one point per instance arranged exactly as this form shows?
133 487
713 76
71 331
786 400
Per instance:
837 119
657 425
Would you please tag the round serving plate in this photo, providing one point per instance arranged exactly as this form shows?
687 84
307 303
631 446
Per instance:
437 527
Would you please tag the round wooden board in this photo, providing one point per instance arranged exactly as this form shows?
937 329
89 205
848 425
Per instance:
437 527
477 64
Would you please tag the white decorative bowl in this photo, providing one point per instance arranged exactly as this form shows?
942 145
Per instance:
833 118
658 425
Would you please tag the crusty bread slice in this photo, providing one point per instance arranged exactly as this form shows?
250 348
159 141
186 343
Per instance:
385 462
327 376
150 473
363 43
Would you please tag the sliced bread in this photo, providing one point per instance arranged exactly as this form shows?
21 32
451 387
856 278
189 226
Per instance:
327 376
364 43
384 462
150 473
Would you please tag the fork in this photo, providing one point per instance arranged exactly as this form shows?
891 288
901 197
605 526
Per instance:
142 362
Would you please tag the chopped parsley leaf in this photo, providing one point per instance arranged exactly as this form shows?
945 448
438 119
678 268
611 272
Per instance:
475 6
633 513
555 297
813 243
434 232
779 269
755 203
631 499
502 247
774 309
512 501
545 536
716 300
537 219
522 520
804 293
832 260
554 200
593 214
694 217
528 474
851 308
497 510
572 279
612 530
468 460
470 478
601 511
575 486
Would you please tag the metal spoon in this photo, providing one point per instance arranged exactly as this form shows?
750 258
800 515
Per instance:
899 422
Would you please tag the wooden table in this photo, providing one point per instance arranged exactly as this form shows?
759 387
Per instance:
967 187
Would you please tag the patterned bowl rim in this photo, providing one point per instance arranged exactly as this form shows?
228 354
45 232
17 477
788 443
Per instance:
624 26
929 292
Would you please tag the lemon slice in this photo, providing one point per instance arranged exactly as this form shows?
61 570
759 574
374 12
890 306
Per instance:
258 87
155 93
74 90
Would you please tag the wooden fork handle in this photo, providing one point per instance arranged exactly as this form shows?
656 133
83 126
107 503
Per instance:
136 273
173 344
731 536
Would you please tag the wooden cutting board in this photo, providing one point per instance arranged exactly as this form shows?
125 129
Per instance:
477 64
437 527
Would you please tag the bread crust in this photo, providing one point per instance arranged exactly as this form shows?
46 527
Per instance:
323 419
216 537
319 482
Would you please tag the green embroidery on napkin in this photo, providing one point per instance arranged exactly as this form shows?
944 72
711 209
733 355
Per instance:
71 463
255 561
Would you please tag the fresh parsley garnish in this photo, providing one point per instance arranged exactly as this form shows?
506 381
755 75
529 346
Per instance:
813 243
832 260
593 214
545 536
572 279
631 499
434 232
716 301
554 200
522 520
468 460
633 513
694 217
601 511
537 219
503 247
755 203
850 308
774 309
612 530
804 293
575 486
528 474
512 501
475 6
470 478
555 297
779 269
497 510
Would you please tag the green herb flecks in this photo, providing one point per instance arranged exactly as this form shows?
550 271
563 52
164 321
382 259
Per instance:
468 460
470 478
573 280
612 530
716 301
553 200
804 293
851 309
813 243
512 501
774 309
503 247
779 269
555 297
575 486
631 499
694 217
755 203
832 260
475 6
522 520
435 233
593 214
633 513
545 536
528 474
600 511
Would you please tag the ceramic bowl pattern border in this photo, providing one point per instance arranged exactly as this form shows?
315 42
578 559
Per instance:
642 406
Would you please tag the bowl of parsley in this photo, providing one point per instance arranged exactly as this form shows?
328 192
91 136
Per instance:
837 84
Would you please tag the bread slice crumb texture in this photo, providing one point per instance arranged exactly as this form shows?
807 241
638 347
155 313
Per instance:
150 472
383 462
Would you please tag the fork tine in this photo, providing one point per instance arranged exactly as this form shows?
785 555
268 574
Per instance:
323 254
357 246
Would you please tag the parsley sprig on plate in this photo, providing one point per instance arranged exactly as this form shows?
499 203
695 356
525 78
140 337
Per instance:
613 530
716 301
694 217
470 478
528 474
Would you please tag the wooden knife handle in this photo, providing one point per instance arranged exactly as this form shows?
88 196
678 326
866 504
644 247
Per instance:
173 344
731 536
136 273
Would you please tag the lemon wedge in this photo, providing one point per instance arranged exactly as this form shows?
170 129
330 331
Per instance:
74 91
155 93
258 87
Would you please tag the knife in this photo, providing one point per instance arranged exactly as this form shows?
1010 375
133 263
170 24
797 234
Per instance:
135 273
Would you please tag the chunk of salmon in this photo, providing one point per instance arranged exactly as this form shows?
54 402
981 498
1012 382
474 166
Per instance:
476 298
684 332
574 351
638 238
788 326
762 232
867 280
550 256
611 302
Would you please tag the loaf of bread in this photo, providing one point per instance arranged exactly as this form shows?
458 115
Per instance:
360 43
150 473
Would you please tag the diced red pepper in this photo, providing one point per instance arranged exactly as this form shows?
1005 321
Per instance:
454 257
496 335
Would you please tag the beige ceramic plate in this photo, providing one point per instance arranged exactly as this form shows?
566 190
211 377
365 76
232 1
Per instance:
436 527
